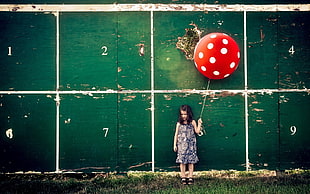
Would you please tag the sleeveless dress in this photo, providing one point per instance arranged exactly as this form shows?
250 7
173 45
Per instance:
186 144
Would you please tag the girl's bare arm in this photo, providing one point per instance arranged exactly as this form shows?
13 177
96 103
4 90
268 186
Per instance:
176 137
197 128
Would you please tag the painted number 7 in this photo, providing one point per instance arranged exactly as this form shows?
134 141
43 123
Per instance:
106 131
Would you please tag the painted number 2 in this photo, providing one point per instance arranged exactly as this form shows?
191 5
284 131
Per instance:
105 50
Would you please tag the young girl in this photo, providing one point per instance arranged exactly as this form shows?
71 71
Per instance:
185 142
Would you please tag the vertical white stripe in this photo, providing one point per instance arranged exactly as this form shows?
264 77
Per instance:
245 51
246 92
246 131
57 132
57 50
57 90
152 93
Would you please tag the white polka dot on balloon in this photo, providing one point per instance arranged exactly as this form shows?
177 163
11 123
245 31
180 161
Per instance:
224 51
212 60
232 65
226 75
200 55
216 72
210 46
203 68
238 54
213 36
225 41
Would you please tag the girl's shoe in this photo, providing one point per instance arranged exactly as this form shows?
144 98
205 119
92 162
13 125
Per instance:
190 181
183 181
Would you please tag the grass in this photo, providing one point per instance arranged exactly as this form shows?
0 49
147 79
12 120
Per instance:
158 183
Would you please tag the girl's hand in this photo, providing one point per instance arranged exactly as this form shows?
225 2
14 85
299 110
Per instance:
200 121
175 148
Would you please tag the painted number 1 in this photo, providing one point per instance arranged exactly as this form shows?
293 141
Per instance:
10 51
105 50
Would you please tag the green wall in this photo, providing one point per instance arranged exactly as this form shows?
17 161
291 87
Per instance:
105 111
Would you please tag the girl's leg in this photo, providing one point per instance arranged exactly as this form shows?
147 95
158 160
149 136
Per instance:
190 170
182 169
190 179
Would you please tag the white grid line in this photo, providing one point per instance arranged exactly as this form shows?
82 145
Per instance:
246 114
152 7
152 91
57 94
187 91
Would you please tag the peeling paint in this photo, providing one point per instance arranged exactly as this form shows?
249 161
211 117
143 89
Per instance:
15 9
129 98
283 99
26 115
68 121
120 87
88 94
140 49
258 110
139 165
167 97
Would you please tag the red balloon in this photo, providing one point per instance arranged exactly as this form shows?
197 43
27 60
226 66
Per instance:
217 55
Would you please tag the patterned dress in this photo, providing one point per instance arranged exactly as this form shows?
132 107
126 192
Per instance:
186 144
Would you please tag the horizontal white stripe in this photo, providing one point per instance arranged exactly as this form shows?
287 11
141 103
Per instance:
189 91
151 7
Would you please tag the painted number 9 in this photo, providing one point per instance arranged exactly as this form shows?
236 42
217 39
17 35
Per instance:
293 130
105 50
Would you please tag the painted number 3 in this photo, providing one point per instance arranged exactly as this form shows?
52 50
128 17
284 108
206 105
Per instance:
104 50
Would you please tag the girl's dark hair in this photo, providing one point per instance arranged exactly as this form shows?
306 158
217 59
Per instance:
189 112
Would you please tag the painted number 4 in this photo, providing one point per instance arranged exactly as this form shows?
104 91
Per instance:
291 50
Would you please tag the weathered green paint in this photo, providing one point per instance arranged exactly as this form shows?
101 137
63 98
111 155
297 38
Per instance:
112 131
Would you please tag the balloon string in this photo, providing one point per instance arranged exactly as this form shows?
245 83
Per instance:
204 100
202 130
